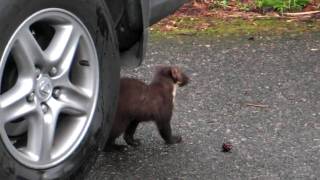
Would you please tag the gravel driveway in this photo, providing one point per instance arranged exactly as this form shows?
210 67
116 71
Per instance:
261 95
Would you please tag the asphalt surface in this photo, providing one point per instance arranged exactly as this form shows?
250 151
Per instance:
280 139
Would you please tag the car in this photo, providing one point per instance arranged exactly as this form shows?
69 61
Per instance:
59 79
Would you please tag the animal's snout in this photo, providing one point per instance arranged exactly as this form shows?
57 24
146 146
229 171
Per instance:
184 80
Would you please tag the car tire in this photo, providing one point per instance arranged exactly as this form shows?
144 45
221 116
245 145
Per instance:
80 130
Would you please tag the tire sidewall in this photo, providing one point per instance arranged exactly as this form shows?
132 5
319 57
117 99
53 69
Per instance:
13 13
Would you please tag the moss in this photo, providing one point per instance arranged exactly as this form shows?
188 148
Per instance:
212 27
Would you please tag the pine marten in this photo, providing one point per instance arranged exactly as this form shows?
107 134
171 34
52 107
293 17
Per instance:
139 102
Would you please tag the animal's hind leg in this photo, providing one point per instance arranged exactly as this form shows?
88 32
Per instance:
129 134
165 131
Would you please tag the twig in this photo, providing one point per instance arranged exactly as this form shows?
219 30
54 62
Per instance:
301 13
257 105
187 34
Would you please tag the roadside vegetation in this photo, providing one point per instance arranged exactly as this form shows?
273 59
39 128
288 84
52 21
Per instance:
261 6
222 18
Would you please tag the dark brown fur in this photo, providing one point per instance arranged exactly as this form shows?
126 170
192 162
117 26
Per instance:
139 102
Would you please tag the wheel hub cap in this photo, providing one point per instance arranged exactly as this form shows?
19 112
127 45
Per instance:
44 88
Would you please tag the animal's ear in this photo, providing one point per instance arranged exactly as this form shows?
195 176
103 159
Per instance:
175 73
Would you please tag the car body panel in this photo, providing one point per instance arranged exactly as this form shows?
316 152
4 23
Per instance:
140 15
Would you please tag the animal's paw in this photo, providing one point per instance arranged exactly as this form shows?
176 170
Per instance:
134 142
114 147
175 140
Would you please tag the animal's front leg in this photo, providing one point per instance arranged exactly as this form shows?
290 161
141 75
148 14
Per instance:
129 134
112 146
164 128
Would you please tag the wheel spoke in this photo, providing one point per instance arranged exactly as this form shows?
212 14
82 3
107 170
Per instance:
41 134
27 52
75 101
13 103
63 46
17 110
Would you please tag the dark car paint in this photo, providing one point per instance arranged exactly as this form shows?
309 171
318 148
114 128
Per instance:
132 19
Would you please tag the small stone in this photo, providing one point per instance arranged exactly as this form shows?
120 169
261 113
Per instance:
226 147
251 38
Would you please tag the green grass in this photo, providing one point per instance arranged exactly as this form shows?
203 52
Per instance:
234 27
282 5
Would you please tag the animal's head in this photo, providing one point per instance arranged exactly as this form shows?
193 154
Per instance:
174 73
